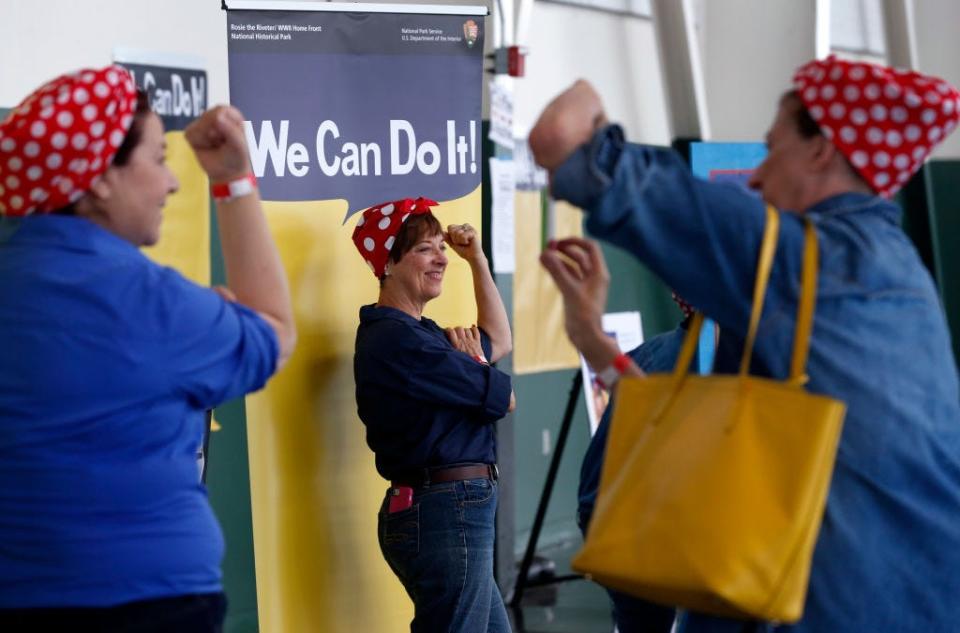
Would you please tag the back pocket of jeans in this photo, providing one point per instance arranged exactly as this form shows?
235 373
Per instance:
401 531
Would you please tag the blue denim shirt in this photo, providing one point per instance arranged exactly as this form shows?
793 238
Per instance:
888 554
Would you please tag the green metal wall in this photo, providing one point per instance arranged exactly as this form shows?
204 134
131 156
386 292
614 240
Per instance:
228 483
943 209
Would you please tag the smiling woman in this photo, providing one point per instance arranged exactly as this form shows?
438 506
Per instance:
429 400
129 199
111 360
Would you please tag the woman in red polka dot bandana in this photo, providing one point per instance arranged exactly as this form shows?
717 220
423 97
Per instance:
379 225
845 138
111 360
429 399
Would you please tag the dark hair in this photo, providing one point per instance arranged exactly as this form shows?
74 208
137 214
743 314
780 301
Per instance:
808 128
130 142
806 124
416 228
132 139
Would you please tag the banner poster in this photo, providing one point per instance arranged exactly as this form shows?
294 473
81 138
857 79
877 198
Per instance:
176 87
346 106
732 163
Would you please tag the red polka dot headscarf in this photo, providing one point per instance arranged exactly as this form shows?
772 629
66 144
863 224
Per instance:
377 229
685 307
61 138
885 121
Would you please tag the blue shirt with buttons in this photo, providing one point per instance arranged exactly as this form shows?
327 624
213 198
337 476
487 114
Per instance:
889 547
424 403
109 362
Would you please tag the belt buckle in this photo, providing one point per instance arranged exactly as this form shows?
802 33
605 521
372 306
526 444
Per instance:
494 472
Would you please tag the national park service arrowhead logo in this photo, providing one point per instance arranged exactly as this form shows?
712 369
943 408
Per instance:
471 32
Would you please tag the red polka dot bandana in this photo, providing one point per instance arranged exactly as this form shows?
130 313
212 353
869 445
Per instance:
62 137
685 307
378 227
885 121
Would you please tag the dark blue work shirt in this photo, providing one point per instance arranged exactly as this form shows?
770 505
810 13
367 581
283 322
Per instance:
423 402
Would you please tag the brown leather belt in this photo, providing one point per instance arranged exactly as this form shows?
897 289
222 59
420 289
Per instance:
443 474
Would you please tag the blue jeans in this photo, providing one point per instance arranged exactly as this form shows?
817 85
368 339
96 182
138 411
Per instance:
441 549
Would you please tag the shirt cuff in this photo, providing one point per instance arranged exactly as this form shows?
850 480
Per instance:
497 401
587 173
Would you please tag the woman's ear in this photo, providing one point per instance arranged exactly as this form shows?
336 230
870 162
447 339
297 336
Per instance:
100 188
823 153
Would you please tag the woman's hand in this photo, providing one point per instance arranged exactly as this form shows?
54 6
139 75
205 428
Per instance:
218 140
491 315
463 239
580 272
466 340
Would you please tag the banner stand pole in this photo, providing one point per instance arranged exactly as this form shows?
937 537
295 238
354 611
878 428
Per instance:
523 581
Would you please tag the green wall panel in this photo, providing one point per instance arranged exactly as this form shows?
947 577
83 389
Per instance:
943 186
228 483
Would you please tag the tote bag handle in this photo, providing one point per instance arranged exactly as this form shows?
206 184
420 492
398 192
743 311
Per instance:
808 290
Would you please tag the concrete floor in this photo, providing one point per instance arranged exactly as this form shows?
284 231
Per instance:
576 606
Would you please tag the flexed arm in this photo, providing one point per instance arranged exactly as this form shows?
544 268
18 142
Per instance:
255 275
491 315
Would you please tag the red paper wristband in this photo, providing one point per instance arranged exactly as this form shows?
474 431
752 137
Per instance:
238 188
609 375
621 363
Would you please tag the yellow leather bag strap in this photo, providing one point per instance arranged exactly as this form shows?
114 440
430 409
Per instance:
689 346
767 248
808 298
805 309
765 263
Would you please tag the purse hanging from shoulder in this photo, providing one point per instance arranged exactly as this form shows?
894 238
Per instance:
713 488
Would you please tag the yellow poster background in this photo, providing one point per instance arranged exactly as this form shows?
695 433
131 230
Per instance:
314 489
539 342
184 241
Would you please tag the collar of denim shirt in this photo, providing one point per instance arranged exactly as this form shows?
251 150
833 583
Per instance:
855 203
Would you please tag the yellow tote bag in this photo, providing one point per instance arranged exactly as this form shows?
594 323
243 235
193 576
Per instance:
713 487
